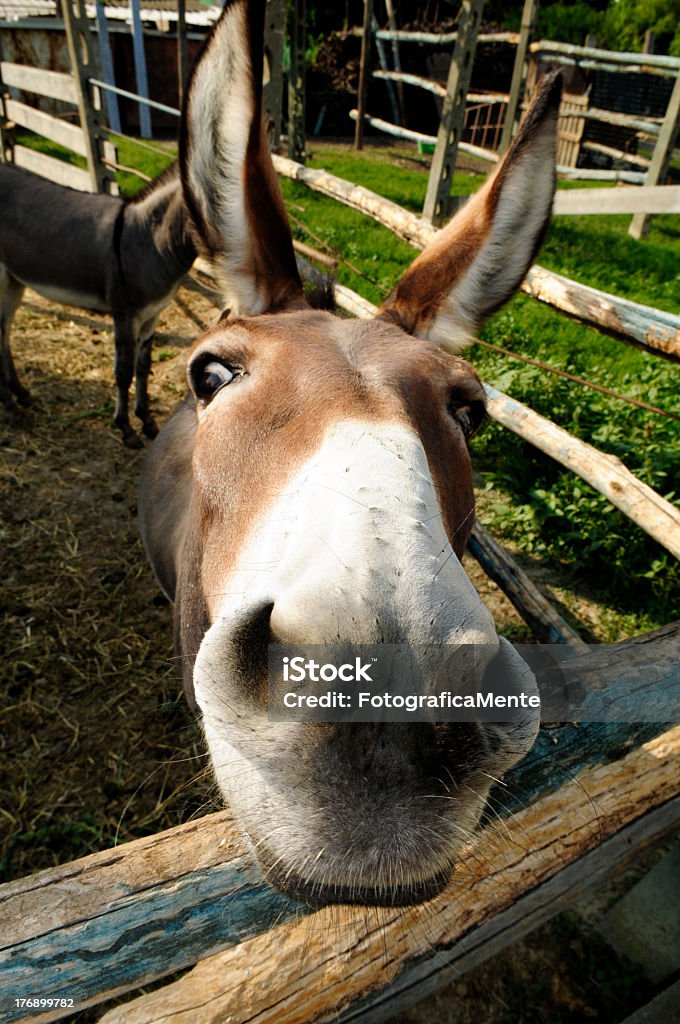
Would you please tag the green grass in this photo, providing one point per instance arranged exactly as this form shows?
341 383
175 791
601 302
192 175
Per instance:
546 510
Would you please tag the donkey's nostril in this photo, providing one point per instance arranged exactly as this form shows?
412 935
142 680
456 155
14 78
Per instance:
248 650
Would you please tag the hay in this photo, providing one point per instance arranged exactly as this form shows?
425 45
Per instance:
97 744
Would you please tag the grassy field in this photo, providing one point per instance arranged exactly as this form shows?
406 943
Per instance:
528 499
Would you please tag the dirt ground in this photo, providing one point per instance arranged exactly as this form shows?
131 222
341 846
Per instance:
97 744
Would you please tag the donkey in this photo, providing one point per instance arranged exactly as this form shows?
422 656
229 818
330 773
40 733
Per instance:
99 252
315 486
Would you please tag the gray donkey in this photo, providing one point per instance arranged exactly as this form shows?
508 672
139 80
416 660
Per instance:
99 252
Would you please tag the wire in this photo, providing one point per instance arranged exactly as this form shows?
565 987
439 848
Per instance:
579 380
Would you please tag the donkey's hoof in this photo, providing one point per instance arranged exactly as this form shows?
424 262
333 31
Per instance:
131 438
23 397
150 429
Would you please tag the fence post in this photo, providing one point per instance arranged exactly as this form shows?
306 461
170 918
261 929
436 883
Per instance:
296 82
83 59
519 71
5 140
182 52
274 37
658 168
438 197
364 73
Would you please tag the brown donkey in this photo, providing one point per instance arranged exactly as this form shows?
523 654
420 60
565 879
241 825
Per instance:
316 487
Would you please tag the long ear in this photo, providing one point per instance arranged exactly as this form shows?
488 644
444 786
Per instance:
229 183
478 261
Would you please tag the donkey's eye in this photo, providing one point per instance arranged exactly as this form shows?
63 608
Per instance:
469 415
210 377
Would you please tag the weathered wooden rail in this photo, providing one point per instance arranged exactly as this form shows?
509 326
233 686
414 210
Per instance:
116 920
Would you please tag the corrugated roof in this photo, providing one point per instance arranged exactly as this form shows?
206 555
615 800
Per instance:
198 11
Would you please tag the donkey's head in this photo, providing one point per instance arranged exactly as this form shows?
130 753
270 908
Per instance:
321 492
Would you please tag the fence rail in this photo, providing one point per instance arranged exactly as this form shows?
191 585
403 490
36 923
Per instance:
646 327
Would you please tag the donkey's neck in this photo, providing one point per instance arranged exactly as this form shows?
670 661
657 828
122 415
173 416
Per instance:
156 235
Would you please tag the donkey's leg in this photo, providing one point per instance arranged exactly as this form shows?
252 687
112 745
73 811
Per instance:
142 373
125 341
11 292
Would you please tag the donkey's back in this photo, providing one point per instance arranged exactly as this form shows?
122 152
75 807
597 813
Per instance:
44 231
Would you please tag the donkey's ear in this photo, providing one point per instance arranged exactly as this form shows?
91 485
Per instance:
478 261
230 187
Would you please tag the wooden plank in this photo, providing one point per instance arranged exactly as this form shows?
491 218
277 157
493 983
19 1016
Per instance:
652 329
365 59
587 64
114 920
55 84
570 129
314 254
439 38
617 154
429 974
644 199
437 205
605 473
394 129
649 125
591 174
540 615
417 80
519 72
661 157
69 135
343 956
637 61
55 170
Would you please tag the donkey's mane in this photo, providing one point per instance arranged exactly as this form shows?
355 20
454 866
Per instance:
170 173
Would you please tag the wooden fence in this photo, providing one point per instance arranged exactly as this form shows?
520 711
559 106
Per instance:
87 138
575 809
457 114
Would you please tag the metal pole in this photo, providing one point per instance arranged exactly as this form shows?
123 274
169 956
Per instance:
140 68
363 74
107 66
182 55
